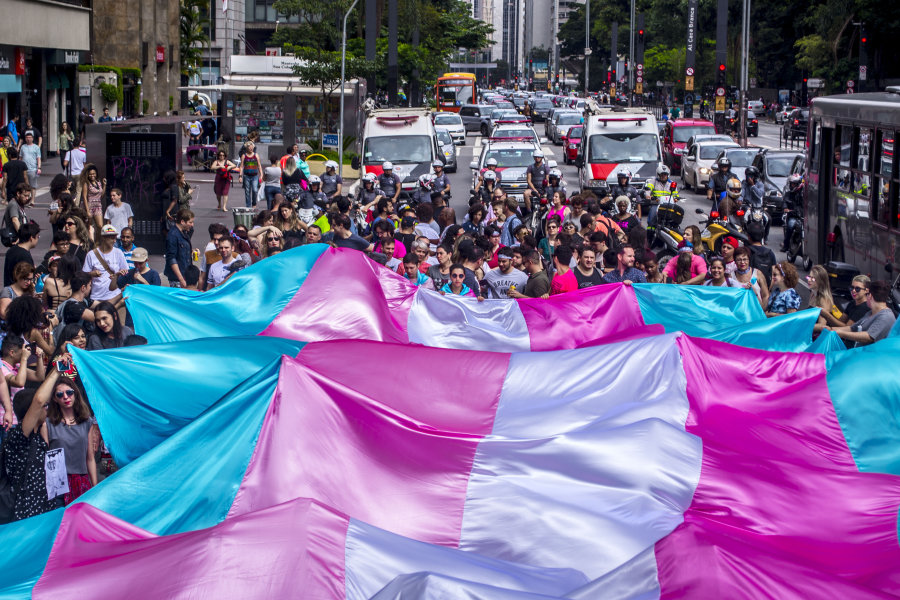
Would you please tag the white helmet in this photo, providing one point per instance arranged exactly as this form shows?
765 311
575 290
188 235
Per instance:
555 173
426 181
490 175
734 188
491 162
623 172
330 164
537 154
387 165
663 170
436 163
314 179
369 178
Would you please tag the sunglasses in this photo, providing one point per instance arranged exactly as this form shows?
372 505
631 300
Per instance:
457 275
72 223
65 393
857 288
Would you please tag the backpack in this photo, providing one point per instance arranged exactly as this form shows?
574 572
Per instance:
763 259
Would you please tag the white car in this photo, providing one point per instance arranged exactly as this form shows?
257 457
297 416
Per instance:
695 165
782 114
453 123
756 106
512 131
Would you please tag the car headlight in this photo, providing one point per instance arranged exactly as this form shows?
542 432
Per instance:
704 171
447 153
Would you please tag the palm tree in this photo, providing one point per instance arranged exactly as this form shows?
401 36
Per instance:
194 34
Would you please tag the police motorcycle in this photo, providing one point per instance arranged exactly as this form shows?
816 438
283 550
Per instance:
794 231
622 187
667 234
754 216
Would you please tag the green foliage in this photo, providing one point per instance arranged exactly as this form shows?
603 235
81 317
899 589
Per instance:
109 92
117 93
146 106
194 19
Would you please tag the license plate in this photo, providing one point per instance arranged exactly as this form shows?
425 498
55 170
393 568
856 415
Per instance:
517 197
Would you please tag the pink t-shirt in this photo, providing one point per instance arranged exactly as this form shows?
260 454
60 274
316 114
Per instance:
698 266
7 370
563 283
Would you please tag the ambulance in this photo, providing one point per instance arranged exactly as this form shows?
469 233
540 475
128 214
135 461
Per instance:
614 138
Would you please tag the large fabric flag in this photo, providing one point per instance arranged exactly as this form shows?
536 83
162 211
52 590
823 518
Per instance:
668 467
316 293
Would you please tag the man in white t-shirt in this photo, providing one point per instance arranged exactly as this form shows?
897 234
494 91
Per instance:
75 159
499 280
219 271
105 264
118 213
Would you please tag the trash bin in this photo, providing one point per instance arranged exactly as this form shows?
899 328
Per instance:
243 216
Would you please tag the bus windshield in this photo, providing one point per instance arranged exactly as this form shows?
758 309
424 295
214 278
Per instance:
398 149
456 91
624 147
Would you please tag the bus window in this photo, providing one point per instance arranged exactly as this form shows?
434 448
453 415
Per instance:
814 147
862 181
886 183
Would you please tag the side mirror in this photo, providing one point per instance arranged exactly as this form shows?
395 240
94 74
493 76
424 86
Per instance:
473 165
354 162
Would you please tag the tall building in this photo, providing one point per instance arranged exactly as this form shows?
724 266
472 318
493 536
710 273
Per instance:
538 24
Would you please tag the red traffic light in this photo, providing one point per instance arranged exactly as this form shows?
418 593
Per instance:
864 39
721 67
641 32
804 80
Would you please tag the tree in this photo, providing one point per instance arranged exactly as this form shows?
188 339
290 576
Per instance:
194 34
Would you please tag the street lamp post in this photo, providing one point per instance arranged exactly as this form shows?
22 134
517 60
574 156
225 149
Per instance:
631 58
587 46
343 77
745 67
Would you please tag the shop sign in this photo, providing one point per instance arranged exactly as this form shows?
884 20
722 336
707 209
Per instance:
160 54
65 57
20 61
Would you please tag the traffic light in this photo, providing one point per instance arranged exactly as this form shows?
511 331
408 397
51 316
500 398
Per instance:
640 36
720 75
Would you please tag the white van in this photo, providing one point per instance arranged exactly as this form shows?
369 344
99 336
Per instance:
403 136
615 137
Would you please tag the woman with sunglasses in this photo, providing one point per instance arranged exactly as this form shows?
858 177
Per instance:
548 243
222 185
23 285
784 299
79 239
456 285
748 276
71 427
110 333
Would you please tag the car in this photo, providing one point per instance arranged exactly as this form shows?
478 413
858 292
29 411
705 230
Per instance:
756 106
571 118
471 115
733 120
740 158
453 123
553 111
796 123
513 158
695 165
721 137
774 168
540 109
500 115
677 133
513 131
562 123
571 142
519 103
448 147
781 115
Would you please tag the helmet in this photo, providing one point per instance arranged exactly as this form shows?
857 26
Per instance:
662 170
623 173
554 173
314 179
436 163
537 154
426 181
387 165
724 162
330 164
369 178
491 162
795 180
734 188
752 172
489 175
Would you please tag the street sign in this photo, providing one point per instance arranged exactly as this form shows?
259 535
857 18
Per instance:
640 66
862 72
689 71
639 88
689 83
814 83
851 83
587 51
720 103
640 79
689 99
720 92
753 82
330 140
849 90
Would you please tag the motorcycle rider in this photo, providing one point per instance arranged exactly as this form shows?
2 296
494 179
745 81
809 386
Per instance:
332 184
490 165
752 192
441 181
623 187
369 193
389 182
311 200
554 184
719 182
793 209
491 183
424 187
657 190
535 175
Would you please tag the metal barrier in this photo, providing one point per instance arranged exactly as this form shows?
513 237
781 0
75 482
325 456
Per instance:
658 110
791 141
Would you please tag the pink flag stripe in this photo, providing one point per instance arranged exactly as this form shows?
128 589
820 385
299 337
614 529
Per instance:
403 467
780 507
294 550
375 302
583 318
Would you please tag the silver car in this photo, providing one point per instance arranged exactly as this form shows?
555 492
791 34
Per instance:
448 148
453 123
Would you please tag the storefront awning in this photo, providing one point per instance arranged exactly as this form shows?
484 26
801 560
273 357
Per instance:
52 81
64 82
10 84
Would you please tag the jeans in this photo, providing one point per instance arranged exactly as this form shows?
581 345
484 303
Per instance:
251 189
651 216
270 192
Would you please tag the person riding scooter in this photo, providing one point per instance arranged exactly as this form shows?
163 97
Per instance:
719 181
793 208
623 187
752 192
658 190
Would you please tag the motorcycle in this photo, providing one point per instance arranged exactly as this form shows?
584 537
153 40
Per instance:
667 233
796 245
715 228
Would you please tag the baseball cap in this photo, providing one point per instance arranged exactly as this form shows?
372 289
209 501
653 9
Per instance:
139 255
109 230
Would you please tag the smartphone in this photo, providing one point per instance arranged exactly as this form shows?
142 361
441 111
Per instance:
62 366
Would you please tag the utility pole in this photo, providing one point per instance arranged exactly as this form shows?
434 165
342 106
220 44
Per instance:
614 61
343 84
721 56
745 53
371 39
587 46
393 70
631 58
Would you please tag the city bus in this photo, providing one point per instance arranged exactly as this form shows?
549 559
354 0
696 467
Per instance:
852 179
453 90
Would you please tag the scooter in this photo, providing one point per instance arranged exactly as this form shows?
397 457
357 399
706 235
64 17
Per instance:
668 233
797 244
715 230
